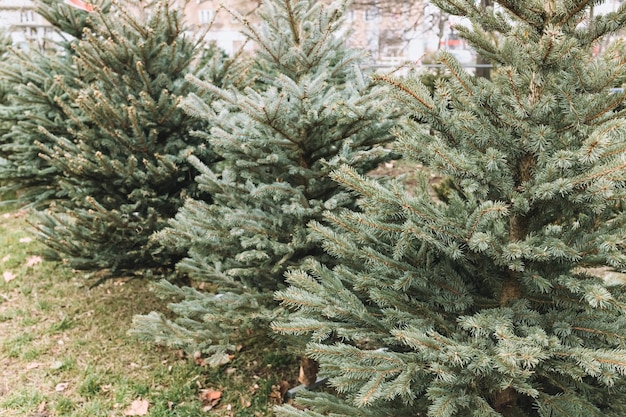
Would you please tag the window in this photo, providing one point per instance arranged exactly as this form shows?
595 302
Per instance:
205 16
27 16
372 13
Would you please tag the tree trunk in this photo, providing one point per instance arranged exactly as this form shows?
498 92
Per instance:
482 70
505 403
308 371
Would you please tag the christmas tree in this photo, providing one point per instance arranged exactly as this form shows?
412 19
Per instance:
494 301
6 87
5 90
37 102
312 109
111 141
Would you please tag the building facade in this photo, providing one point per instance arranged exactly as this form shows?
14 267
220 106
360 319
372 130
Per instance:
26 27
389 30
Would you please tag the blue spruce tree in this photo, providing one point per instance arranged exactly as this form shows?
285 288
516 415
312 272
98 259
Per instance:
37 102
312 109
100 142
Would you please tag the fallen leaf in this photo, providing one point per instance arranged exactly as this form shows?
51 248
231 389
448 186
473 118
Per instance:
210 397
33 365
33 260
8 276
138 407
26 239
197 358
61 386
308 371
41 409
277 396
6 258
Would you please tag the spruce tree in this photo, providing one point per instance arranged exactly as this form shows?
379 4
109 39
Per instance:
37 102
109 141
488 303
312 108
6 87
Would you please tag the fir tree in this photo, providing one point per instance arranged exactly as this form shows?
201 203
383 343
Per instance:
5 124
312 109
488 303
6 87
37 102
111 141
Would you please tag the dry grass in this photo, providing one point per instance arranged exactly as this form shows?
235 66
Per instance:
64 350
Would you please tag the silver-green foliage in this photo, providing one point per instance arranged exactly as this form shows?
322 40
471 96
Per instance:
100 141
311 109
36 101
489 303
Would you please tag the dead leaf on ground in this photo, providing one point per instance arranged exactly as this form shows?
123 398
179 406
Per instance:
8 276
26 239
210 398
42 410
278 392
33 260
308 371
61 386
138 407
33 365
6 258
197 358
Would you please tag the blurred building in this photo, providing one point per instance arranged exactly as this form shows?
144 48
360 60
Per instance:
25 26
223 28
389 30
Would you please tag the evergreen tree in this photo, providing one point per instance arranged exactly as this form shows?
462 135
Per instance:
5 90
108 140
37 102
312 109
488 303
5 86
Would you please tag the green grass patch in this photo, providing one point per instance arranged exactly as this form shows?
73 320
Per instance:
65 352
24 400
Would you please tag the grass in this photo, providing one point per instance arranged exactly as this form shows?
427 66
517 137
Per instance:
64 348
